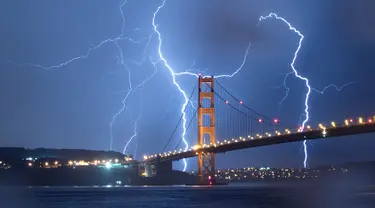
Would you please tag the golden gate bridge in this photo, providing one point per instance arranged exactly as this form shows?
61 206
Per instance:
221 122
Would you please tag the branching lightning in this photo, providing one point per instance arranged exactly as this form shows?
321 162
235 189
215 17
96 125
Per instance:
337 88
295 72
239 68
273 15
156 32
135 133
133 136
175 74
130 90
121 61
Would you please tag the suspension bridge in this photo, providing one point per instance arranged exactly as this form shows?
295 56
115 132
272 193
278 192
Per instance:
219 122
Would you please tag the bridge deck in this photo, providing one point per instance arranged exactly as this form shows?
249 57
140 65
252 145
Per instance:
285 138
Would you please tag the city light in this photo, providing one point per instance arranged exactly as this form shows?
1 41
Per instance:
262 173
324 132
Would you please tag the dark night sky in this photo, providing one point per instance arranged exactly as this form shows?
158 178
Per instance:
71 106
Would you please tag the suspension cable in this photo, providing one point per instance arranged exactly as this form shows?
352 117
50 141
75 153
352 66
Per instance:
247 107
179 121
191 121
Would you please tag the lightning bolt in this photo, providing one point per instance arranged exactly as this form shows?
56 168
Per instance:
239 68
337 88
175 74
115 41
133 136
139 117
130 90
322 91
91 49
296 74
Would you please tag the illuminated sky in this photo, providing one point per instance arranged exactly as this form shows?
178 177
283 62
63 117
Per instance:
72 106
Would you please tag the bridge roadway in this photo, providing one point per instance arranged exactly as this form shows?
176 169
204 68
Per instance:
284 138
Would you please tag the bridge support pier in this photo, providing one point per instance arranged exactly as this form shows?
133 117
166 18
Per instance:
160 171
206 160
149 172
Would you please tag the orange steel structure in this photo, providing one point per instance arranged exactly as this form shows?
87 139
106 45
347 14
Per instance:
206 160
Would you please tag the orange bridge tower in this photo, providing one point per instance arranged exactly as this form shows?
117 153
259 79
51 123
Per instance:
206 160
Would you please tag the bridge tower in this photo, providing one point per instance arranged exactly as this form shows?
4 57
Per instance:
206 160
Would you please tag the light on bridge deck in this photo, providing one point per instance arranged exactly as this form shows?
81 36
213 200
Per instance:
333 124
321 126
347 122
360 120
195 147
